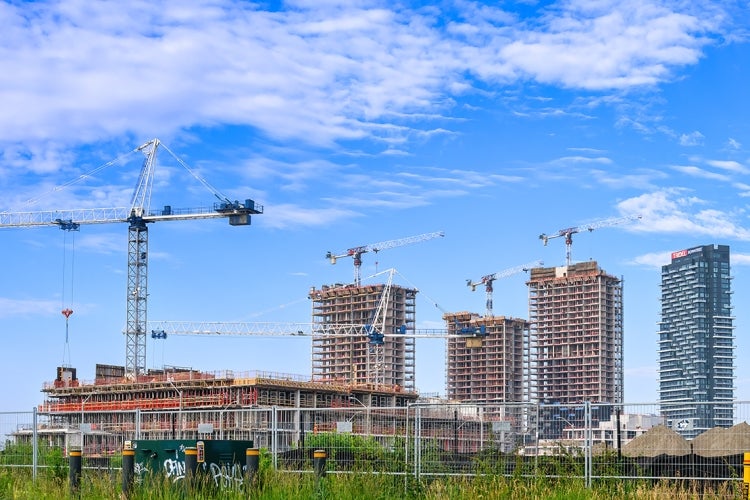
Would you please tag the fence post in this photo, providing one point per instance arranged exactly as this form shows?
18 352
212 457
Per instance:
275 436
191 464
319 463
34 446
417 443
588 443
128 468
74 475
252 462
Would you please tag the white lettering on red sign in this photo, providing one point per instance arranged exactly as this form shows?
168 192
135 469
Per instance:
681 253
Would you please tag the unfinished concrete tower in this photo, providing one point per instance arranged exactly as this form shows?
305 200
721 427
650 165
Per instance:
488 364
577 334
363 360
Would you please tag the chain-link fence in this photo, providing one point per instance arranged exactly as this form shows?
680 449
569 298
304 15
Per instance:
705 441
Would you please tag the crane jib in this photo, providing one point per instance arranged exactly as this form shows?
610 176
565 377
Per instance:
138 214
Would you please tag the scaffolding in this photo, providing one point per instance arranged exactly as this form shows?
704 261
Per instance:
346 359
166 404
576 315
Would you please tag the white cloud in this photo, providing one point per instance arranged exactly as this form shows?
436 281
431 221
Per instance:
319 73
655 259
601 160
694 171
674 211
691 139
287 215
740 259
643 179
734 144
729 166
28 307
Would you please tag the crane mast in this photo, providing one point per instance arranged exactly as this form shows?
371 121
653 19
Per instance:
356 252
488 279
568 233
138 215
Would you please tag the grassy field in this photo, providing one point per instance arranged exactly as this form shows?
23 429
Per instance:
269 484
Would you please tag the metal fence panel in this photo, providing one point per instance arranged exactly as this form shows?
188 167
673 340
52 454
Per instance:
471 439
16 439
586 440
355 439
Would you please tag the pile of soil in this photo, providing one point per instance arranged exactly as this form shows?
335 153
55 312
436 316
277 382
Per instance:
659 440
720 441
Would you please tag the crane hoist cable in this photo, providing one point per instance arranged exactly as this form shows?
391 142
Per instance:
66 305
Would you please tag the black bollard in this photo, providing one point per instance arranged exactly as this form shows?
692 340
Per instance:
128 466
252 461
319 462
74 463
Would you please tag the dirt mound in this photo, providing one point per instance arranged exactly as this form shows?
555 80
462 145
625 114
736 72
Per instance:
659 440
720 441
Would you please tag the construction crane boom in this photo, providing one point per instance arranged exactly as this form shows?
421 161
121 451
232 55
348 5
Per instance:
570 231
165 329
356 252
488 279
138 215
119 214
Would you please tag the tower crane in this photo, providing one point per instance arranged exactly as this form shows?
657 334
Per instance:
570 231
137 216
490 278
356 252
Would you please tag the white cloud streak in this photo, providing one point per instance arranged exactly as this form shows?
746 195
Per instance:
77 72
674 210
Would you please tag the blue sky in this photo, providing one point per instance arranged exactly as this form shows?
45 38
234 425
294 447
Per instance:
354 123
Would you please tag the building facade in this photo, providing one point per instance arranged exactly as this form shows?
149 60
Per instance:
576 316
361 359
696 340
486 358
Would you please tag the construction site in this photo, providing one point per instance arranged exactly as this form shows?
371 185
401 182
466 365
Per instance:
490 367
363 351
363 355
576 313
371 359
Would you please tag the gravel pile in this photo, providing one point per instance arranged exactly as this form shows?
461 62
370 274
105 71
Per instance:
720 441
659 440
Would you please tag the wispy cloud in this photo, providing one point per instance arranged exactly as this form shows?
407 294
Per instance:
644 179
691 139
654 259
674 210
734 144
28 307
316 73
287 215
694 171
729 166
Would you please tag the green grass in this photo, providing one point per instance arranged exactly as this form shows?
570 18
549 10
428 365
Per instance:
270 484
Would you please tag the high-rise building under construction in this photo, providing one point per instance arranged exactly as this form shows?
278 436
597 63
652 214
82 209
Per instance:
366 360
576 316
486 358
696 341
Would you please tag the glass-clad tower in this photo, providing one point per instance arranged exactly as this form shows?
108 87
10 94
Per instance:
696 341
